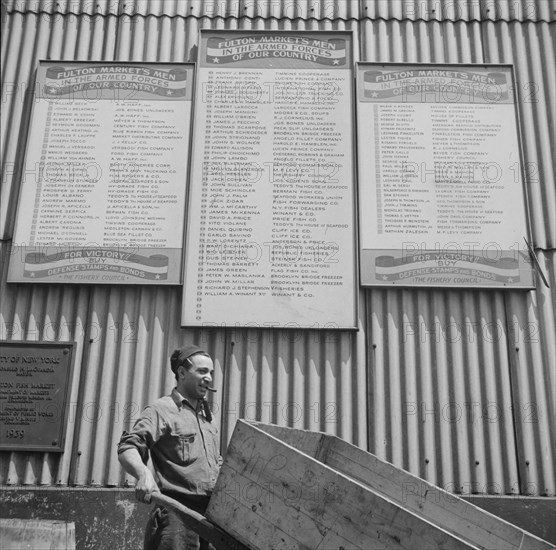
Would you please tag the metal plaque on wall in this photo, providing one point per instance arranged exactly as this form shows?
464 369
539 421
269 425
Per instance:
33 395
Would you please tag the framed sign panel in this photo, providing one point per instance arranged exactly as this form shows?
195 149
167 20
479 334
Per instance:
103 191
442 198
34 395
270 237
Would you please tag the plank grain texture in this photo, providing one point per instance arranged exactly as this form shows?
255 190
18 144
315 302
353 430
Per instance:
270 496
432 503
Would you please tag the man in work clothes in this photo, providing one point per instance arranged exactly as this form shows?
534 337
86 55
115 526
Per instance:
183 444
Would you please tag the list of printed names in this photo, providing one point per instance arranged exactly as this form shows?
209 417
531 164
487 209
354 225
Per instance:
436 168
108 173
276 185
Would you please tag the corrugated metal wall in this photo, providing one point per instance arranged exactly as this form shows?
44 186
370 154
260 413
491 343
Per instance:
456 386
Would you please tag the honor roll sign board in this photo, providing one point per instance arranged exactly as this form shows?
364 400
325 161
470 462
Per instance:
103 190
270 238
442 200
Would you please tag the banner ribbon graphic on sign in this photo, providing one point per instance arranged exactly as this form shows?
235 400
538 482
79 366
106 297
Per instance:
325 52
416 85
39 265
60 82
389 268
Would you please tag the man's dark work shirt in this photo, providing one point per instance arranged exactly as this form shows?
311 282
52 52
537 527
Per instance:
183 446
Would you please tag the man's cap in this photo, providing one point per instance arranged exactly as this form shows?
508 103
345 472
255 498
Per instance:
180 355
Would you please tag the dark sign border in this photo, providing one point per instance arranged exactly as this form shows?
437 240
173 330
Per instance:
60 434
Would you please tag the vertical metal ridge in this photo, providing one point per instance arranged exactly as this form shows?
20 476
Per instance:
293 378
534 380
442 372
17 79
524 45
420 42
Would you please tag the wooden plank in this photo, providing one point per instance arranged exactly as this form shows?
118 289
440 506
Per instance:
269 512
306 441
271 496
436 505
534 514
32 534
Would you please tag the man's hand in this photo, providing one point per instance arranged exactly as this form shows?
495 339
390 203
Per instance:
132 464
145 486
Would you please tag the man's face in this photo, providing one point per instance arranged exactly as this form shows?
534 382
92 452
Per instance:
194 381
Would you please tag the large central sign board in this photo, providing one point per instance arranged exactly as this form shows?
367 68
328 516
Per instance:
103 190
270 239
442 199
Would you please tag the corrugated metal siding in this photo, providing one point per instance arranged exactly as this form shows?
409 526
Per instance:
170 8
299 378
63 7
43 314
26 39
463 386
420 42
439 387
408 379
306 379
125 367
532 326
531 48
459 10
412 10
158 39
433 381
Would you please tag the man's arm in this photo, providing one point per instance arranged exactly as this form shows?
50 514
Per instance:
131 462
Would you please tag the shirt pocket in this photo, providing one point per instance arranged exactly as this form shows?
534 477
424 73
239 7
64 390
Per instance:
183 447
